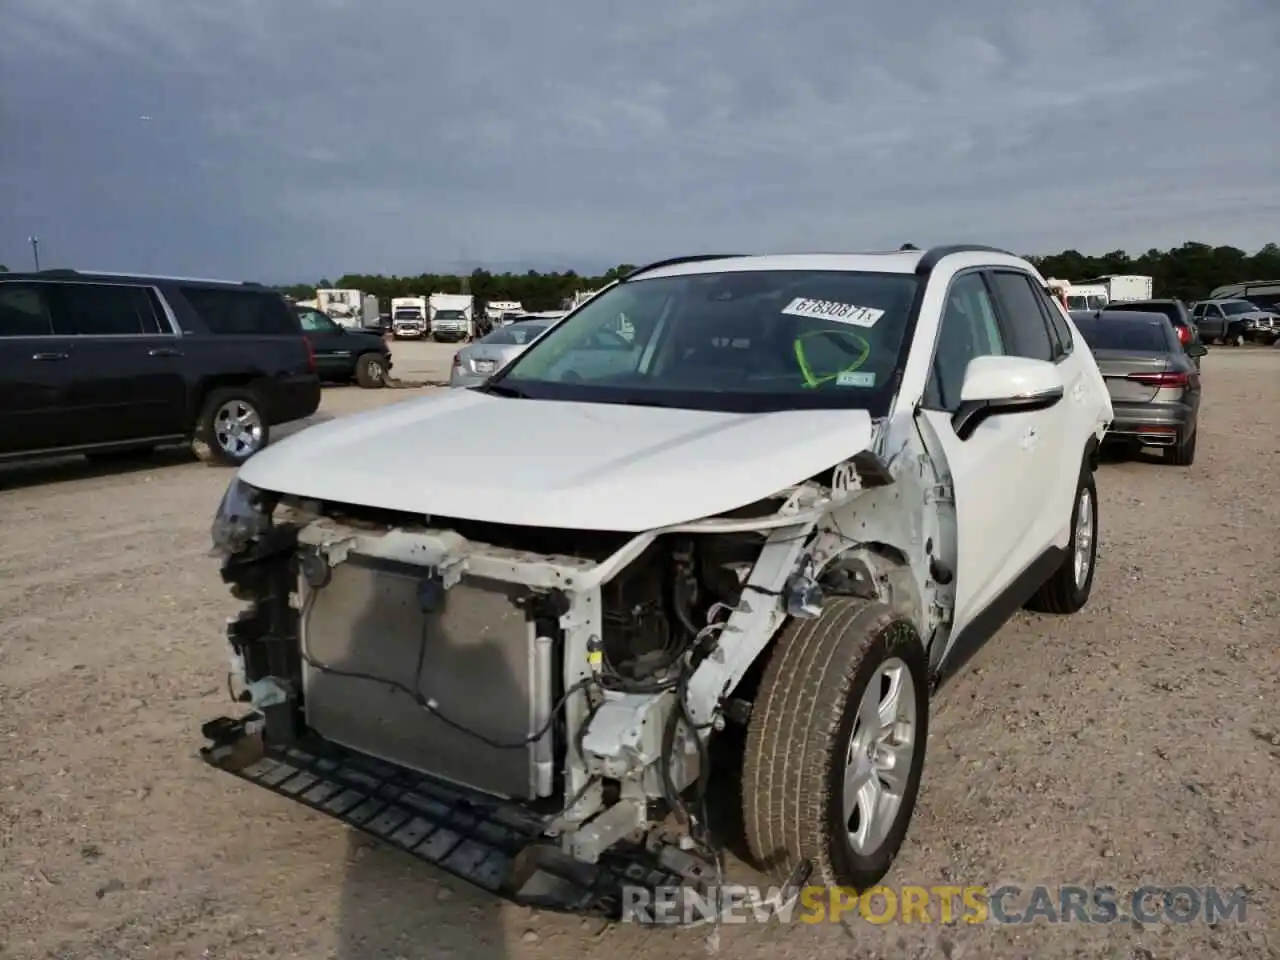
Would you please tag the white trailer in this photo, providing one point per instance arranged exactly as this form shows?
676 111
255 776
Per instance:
1124 287
452 317
409 317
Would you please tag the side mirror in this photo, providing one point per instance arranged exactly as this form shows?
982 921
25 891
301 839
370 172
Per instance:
994 386
1196 349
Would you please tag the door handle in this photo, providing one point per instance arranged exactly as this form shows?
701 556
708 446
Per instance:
50 356
164 352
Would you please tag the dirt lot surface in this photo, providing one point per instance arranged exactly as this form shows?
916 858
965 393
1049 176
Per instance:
1138 742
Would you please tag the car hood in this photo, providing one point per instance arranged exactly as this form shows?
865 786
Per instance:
474 456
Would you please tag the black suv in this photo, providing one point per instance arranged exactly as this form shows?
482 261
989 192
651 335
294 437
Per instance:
1179 315
344 355
104 364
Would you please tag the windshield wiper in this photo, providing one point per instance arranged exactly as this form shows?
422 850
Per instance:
502 390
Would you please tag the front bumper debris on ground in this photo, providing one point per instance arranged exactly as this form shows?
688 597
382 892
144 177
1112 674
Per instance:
496 846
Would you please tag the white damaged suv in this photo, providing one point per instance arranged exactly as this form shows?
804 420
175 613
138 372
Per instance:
508 629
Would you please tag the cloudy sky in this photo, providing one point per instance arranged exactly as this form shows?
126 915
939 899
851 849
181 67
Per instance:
292 140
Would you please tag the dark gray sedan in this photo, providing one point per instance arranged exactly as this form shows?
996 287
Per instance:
474 364
1153 380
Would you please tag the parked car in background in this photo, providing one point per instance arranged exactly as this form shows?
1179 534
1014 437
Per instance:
1179 315
344 355
1226 321
1263 330
109 364
1152 378
474 364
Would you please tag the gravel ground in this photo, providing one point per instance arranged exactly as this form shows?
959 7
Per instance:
1138 742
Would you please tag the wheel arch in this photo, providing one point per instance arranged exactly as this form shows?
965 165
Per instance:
260 385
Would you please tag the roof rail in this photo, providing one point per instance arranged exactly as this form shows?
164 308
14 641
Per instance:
933 255
68 272
676 261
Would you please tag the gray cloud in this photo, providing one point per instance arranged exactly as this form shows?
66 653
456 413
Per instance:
395 136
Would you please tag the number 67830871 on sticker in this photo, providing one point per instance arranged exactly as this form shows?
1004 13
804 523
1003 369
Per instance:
832 310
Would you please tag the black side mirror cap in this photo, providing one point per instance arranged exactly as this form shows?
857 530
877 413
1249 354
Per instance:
971 414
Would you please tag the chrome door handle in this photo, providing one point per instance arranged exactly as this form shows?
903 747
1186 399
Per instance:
164 352
50 356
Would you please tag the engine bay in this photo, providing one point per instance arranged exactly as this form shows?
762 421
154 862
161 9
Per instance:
423 678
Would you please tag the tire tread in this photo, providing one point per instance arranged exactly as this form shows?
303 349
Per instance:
788 758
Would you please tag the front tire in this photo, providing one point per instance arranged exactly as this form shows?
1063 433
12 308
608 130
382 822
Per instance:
232 427
1068 589
835 746
371 371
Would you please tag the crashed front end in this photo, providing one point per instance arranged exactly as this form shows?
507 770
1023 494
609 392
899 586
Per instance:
525 708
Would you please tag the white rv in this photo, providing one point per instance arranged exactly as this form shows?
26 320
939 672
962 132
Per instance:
502 312
409 317
348 308
452 317
1262 293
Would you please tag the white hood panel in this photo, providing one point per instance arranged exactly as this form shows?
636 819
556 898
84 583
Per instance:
549 464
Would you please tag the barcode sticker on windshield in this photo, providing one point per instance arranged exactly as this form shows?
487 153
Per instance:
832 310
855 378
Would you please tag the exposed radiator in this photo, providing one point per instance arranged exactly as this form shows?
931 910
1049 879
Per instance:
480 663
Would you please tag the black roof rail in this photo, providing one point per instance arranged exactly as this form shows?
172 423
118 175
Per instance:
934 254
675 261
117 275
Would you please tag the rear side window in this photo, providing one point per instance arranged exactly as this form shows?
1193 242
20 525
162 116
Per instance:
103 310
242 312
24 310
1020 309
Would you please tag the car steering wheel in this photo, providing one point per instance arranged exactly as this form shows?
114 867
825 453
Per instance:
843 339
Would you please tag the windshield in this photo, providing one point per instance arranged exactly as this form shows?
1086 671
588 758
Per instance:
315 322
745 341
449 315
1233 307
515 333
1113 333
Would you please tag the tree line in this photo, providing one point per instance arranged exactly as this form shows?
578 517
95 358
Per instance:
1188 272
